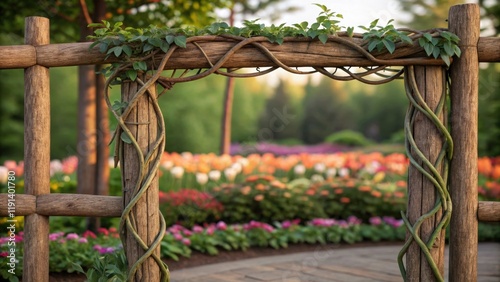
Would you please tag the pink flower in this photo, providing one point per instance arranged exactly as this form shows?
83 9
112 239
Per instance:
376 220
197 229
186 241
178 236
83 240
210 230
4 254
221 225
187 232
352 220
97 247
106 250
72 236
55 236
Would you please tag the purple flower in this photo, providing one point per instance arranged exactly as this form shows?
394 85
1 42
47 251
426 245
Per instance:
106 250
97 247
352 220
72 236
376 220
55 236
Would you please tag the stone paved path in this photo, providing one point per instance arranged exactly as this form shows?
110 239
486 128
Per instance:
352 265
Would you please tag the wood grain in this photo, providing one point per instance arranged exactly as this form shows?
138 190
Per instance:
488 211
79 205
36 153
464 21
421 192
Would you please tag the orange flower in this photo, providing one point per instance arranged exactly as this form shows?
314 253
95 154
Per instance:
495 174
339 191
252 178
345 200
324 193
259 198
401 183
278 184
246 190
260 187
310 192
365 188
398 194
376 194
484 166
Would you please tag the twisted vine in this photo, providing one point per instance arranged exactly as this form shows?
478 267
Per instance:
144 54
439 181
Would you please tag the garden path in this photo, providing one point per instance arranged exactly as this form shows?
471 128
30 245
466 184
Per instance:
377 263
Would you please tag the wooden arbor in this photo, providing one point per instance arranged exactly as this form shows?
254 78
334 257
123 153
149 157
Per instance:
142 123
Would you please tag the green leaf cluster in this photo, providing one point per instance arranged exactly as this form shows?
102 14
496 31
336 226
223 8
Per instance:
446 46
380 37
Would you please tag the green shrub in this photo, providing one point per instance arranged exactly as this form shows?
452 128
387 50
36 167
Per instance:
398 137
348 137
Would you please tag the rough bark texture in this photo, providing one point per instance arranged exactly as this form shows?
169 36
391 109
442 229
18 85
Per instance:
421 192
142 122
37 154
488 211
464 21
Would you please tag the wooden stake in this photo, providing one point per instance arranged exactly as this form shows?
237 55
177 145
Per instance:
464 22
143 123
421 192
36 153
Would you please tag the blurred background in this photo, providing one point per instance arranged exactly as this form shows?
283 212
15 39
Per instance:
317 109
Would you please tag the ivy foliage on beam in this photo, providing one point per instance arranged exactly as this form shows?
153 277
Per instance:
138 44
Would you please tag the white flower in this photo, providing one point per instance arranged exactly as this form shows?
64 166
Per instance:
167 165
237 167
243 162
214 175
299 169
320 167
343 172
4 174
55 166
201 178
317 178
187 155
372 167
230 174
177 172
331 172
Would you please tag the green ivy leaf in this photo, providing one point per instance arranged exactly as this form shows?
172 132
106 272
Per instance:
180 41
132 74
323 38
127 50
125 138
389 45
350 31
446 59
169 38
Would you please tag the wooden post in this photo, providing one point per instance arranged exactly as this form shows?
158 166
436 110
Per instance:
142 122
464 21
422 194
36 153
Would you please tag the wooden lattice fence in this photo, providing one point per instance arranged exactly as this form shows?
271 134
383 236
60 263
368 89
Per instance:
431 148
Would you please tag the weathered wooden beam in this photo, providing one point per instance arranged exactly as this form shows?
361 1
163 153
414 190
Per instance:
422 194
25 204
36 153
17 56
464 72
65 205
297 53
488 211
79 205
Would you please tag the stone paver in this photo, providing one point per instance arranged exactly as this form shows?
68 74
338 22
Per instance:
354 265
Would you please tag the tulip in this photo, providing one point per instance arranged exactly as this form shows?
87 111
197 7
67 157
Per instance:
201 178
177 172
319 167
230 174
299 169
214 175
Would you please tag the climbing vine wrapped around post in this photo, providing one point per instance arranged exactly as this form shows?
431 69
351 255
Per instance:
143 54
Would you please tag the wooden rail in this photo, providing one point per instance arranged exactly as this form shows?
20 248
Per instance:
112 206
296 53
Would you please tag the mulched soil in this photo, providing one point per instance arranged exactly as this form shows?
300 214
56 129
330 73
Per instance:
199 259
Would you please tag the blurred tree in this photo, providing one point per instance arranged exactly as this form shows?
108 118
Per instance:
325 111
244 8
279 116
426 14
